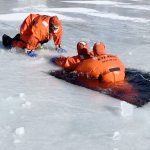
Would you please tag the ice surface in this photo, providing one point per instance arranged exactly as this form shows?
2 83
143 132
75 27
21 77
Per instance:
40 112
112 4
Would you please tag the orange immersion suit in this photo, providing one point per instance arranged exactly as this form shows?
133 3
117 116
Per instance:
107 67
35 30
70 63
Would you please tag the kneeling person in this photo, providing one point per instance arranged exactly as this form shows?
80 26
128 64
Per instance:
36 30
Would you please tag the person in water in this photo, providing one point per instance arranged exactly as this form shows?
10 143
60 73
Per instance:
103 66
36 30
70 63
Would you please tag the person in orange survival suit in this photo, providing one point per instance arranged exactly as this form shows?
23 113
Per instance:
70 63
38 29
106 67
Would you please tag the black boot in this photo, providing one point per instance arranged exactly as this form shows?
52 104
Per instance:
17 37
7 41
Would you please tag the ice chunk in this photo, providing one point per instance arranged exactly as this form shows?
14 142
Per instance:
116 136
20 131
126 109
22 96
27 104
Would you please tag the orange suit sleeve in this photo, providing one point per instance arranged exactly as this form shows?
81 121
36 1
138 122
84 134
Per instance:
69 63
57 37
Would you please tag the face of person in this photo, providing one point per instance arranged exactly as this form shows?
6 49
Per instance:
53 28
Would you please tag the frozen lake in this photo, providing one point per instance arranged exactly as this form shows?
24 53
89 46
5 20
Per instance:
40 112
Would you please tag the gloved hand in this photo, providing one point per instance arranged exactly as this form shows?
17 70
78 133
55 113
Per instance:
32 53
61 50
54 59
